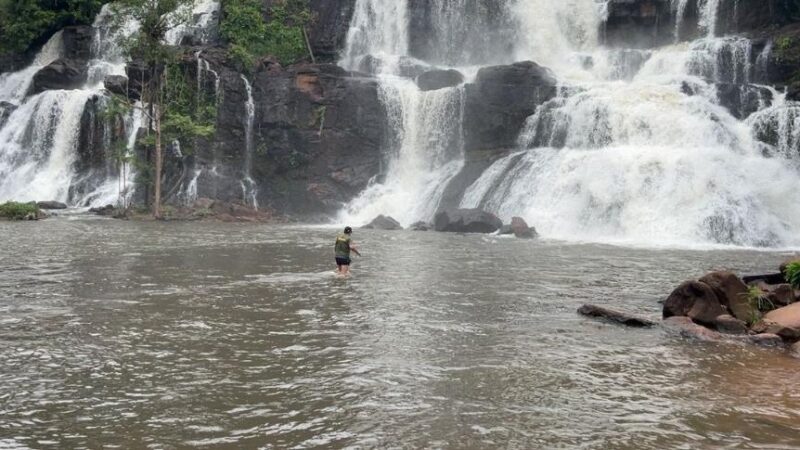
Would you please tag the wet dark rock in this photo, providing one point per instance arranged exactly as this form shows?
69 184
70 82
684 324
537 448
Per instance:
51 205
687 328
695 300
521 229
421 226
731 292
406 67
728 324
383 223
107 210
764 340
742 100
77 41
466 221
116 84
6 109
499 102
639 24
60 74
770 278
781 294
615 316
439 79
794 350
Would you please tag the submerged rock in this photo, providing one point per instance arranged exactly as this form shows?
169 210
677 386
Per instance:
421 226
467 221
687 328
107 210
51 205
383 223
615 316
728 324
439 79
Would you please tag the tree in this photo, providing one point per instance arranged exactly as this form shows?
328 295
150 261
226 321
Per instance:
147 47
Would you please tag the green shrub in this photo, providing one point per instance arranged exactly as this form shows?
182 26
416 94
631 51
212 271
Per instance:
18 211
251 37
25 22
793 274
759 302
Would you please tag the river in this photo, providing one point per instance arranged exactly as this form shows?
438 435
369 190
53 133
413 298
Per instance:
173 335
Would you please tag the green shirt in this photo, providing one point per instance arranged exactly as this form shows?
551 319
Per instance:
343 246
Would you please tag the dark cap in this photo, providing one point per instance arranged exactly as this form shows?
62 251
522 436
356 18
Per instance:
348 230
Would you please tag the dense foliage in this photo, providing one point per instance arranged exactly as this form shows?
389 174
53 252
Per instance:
793 274
18 211
251 37
24 23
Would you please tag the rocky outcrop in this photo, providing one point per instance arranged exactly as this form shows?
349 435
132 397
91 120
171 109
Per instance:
77 42
615 316
383 223
60 74
439 79
639 23
6 109
50 204
731 293
785 322
521 229
116 84
466 221
421 226
500 100
695 300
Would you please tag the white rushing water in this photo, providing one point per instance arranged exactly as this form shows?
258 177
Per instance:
39 134
635 149
249 186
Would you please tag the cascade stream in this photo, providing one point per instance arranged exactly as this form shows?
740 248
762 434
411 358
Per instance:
636 148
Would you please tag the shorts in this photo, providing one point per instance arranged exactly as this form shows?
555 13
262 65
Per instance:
342 261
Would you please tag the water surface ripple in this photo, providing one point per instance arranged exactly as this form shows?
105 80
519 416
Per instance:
145 335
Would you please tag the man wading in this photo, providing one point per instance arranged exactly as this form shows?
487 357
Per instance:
344 245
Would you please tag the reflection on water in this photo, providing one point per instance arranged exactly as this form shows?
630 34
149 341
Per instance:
227 336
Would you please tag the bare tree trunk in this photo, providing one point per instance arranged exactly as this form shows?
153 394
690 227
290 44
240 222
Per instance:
308 45
159 161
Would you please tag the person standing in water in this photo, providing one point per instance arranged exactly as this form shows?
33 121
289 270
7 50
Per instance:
345 245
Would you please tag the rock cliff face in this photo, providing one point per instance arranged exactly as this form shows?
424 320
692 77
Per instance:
316 137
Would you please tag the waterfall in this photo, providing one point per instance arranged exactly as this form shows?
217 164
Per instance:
636 147
249 186
201 14
39 139
425 145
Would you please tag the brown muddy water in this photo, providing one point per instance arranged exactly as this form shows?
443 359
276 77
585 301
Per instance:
148 335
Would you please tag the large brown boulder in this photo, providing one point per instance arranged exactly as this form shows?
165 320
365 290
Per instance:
730 325
521 229
695 300
785 322
781 294
731 292
687 328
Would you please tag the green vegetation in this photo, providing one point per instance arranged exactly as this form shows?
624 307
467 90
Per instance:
19 211
251 37
759 303
793 274
24 23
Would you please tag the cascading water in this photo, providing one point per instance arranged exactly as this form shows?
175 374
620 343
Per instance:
249 186
426 134
636 148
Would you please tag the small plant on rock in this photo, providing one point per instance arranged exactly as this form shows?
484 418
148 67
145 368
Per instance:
759 302
793 274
